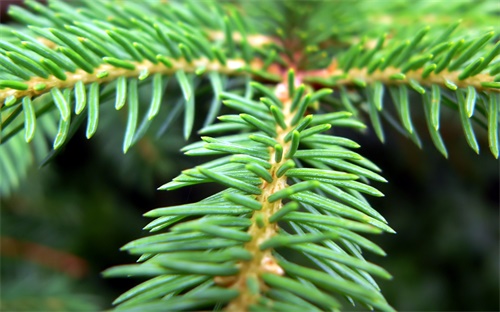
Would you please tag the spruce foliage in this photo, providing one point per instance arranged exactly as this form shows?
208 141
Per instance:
286 231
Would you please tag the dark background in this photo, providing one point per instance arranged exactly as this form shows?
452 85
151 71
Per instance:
68 220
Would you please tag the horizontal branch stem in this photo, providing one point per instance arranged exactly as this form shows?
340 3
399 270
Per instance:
384 77
232 67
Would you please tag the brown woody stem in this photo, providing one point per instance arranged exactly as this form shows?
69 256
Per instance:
263 261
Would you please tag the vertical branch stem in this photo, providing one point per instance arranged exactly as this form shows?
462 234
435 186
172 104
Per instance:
261 230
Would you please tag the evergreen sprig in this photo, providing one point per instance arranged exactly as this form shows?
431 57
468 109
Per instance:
233 239
293 189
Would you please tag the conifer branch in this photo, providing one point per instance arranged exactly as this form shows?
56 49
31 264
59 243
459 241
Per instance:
107 72
334 77
289 183
263 261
